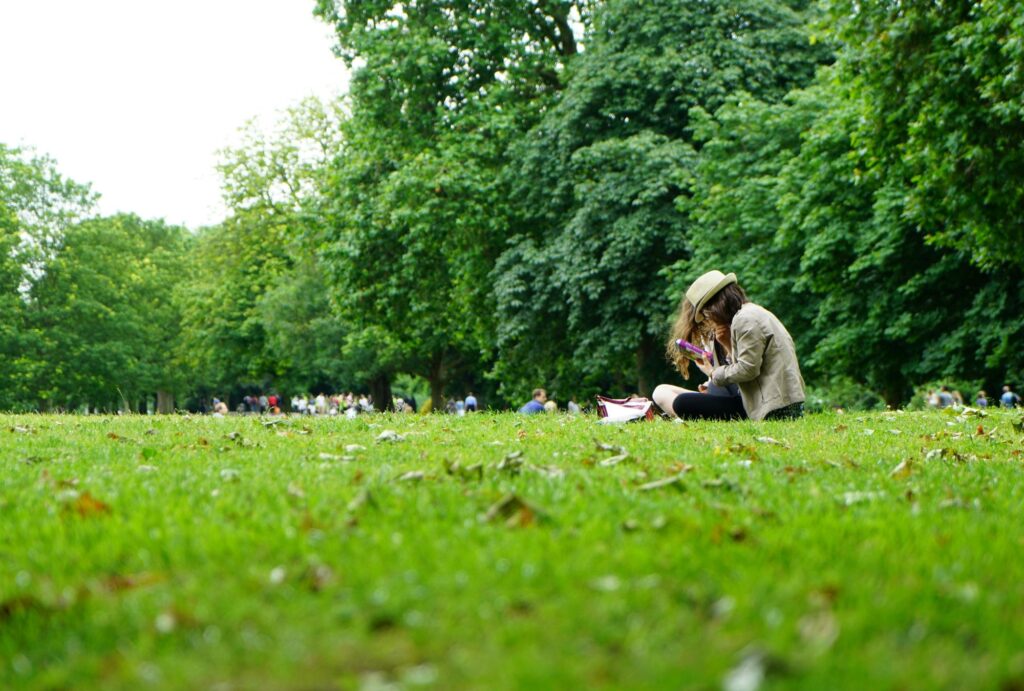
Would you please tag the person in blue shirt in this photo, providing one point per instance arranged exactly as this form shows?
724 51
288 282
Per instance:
536 405
1009 399
471 403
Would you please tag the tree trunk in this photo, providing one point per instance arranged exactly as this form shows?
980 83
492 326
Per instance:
643 385
380 389
436 379
164 402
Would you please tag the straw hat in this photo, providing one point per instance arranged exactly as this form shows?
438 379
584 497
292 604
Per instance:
705 288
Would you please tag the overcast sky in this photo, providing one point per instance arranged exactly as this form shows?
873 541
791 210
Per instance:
136 96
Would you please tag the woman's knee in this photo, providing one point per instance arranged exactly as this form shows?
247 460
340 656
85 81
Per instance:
664 395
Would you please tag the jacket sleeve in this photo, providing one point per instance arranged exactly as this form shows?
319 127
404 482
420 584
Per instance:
748 351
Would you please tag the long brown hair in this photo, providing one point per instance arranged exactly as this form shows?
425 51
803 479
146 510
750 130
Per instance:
686 328
724 304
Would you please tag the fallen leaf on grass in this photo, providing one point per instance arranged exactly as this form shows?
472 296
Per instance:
610 447
851 498
116 583
773 442
513 511
551 471
936 454
364 498
411 476
390 435
85 504
903 470
967 412
512 463
336 457
675 481
475 471
18 429
230 475
819 630
352 448
613 460
747 675
720 483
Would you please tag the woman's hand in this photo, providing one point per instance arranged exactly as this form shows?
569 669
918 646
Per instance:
724 336
704 366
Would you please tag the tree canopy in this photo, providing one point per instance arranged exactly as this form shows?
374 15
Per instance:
516 194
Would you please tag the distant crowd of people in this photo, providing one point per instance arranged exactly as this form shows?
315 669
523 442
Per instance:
944 398
348 403
352 404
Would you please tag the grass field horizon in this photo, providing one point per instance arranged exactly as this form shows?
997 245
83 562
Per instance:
498 551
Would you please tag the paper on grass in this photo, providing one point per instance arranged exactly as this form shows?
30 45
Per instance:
621 413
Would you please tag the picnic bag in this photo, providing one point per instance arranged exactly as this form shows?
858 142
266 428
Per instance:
624 409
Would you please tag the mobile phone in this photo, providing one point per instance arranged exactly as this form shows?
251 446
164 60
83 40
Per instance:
691 351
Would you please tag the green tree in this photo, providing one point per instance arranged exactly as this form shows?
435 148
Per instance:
254 313
103 313
440 91
598 180
37 205
939 87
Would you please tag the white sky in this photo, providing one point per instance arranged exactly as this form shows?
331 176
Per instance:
136 96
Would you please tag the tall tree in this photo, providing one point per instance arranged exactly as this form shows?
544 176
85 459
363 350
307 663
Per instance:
103 313
37 205
599 177
942 111
256 290
440 90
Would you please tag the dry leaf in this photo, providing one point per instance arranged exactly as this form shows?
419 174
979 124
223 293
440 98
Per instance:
364 498
390 435
903 470
515 512
819 630
88 505
512 463
613 460
851 498
675 481
335 457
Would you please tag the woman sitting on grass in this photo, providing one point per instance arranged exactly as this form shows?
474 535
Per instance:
753 370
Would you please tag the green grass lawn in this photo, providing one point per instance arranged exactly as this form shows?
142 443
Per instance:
503 552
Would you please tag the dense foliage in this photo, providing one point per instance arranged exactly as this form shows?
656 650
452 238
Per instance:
514 194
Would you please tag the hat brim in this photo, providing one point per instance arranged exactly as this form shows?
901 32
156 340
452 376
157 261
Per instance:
727 279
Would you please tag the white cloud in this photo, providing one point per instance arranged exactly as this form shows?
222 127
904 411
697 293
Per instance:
136 96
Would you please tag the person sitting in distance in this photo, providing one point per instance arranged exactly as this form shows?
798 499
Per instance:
753 370
536 404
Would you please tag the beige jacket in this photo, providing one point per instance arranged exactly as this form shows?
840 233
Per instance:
763 363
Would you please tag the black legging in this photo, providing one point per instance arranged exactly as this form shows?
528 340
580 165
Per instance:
708 406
